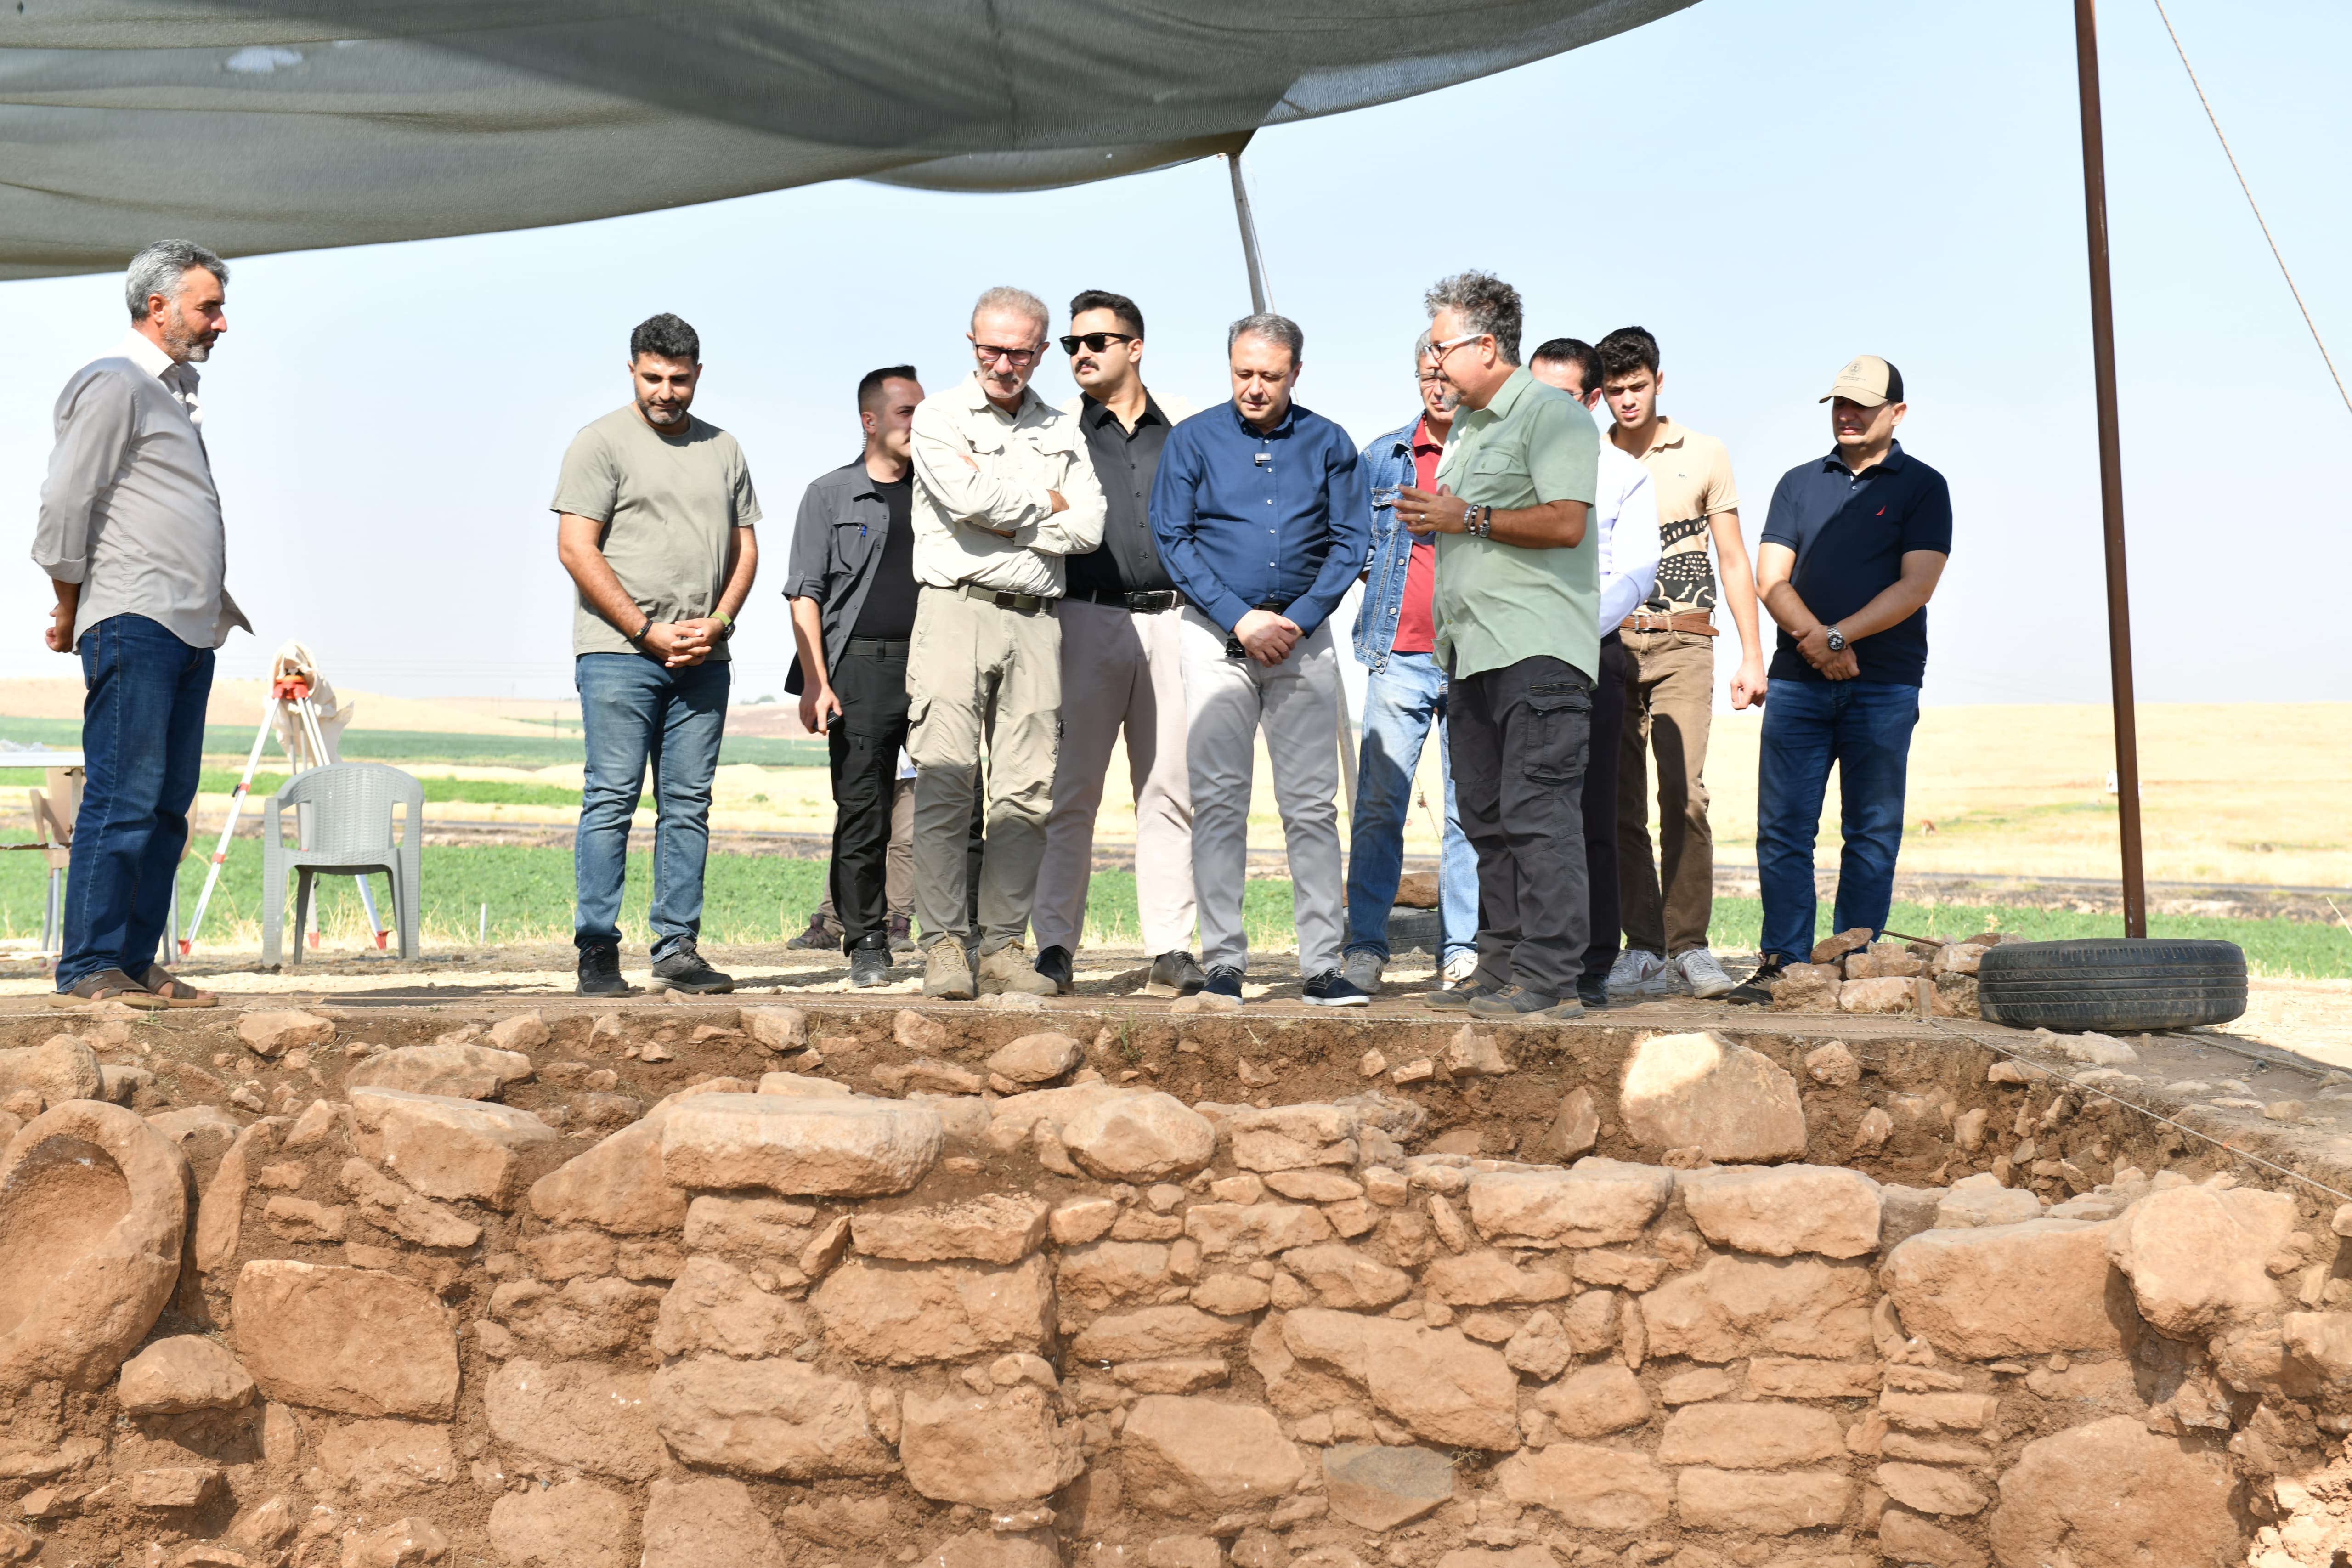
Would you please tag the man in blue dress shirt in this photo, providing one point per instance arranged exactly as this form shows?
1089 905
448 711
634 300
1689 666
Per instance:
1263 521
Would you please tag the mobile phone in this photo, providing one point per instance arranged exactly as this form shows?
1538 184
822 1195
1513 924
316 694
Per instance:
1233 648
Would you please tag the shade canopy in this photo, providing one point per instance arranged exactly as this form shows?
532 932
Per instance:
291 124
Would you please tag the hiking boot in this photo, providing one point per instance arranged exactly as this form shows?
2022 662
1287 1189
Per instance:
684 969
902 933
1333 989
1362 969
947 973
1174 974
1594 993
1635 973
1223 981
1703 974
600 972
1054 964
870 964
1755 991
1517 1004
1457 995
1009 968
822 936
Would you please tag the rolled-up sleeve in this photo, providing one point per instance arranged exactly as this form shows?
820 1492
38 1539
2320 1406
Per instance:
97 420
1000 493
807 566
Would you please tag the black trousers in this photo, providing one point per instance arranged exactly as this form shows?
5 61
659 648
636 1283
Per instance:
1519 738
1601 810
864 746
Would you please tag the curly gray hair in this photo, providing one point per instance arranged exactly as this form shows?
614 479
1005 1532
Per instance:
163 269
1485 304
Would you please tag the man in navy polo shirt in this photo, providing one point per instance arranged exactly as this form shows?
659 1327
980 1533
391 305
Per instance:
1851 553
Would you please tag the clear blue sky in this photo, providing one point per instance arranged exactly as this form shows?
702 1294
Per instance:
1772 187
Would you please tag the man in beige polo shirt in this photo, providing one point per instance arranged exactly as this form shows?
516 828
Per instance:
1670 681
1003 490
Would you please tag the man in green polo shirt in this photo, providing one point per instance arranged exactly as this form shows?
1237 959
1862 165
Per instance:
1518 609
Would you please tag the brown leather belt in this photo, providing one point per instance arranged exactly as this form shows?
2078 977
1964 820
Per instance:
1698 621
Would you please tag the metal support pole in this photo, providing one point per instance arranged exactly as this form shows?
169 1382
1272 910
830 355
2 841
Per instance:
2111 470
1249 235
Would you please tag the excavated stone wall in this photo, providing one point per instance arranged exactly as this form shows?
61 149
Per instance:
709 1288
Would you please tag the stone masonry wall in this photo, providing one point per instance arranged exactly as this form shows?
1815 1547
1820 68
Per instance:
982 1306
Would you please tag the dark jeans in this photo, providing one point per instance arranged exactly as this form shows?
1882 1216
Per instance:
1864 727
1520 739
633 711
871 681
143 738
1601 809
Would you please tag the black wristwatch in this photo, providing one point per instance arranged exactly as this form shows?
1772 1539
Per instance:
1836 640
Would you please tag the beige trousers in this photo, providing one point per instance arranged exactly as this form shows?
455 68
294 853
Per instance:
980 678
1665 900
1121 670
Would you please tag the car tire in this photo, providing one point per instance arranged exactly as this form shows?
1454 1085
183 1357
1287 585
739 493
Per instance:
2112 984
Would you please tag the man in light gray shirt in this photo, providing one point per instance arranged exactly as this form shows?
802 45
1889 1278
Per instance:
131 536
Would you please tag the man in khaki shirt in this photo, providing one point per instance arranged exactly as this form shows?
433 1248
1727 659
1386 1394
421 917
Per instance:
1003 490
1669 643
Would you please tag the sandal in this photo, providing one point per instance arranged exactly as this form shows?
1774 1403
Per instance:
107 985
175 992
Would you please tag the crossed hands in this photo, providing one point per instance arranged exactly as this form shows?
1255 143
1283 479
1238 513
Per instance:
680 644
1815 647
1265 637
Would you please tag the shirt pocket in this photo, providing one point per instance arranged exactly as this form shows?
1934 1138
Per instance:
1558 732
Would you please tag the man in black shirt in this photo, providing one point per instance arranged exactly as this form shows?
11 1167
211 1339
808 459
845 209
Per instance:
853 591
1120 671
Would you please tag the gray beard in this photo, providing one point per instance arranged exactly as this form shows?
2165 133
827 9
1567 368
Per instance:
187 350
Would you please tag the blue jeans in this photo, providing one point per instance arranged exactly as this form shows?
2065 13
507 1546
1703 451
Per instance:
633 711
1864 727
142 739
1401 703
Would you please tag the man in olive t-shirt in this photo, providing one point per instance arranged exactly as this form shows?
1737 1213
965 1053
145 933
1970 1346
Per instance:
655 510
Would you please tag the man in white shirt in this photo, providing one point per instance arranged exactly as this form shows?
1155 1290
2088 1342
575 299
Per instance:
1003 490
1625 510
132 539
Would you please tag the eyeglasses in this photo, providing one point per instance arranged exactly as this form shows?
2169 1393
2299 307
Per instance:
990 353
1439 351
1098 342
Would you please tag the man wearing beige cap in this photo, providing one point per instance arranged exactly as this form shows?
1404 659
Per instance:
1851 553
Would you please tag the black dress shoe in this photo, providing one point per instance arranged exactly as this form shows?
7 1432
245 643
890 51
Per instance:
1174 974
1054 964
684 969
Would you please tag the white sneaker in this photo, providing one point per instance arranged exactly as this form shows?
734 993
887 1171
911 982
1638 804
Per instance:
1635 971
1458 968
1361 970
1704 974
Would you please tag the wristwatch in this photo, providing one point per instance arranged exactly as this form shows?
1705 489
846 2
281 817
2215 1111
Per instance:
1836 640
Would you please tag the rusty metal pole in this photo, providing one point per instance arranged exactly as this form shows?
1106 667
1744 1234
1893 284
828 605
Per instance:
2111 470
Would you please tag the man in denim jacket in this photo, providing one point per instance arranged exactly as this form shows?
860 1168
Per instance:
1403 696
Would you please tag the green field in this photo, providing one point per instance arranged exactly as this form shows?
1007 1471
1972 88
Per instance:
403 746
762 898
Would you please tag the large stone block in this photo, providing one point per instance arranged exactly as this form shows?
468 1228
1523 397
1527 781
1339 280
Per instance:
617 1185
1485 1277
708 1523
1182 1454
273 1034
1344 1276
1036 1059
1594 1401
1785 1209
766 1418
993 1452
900 1314
450 1148
1254 1230
2113 1494
370 1461
1779 1503
1376 1487
1437 1383
1139 1137
1154 1333
1294 1137
994 1228
353 1339
60 1069
575 1524
1733 1307
2195 1255
1094 1275
715 1306
93 1214
1701 1090
1931 1488
839 1148
183 1372
1589 1487
1598 1203
2014 1290
1764 1435
461 1072
580 1415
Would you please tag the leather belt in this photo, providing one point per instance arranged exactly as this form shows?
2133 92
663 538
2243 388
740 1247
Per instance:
1698 621
1027 604
1146 603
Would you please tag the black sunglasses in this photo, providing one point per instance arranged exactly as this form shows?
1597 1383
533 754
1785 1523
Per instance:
1098 342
